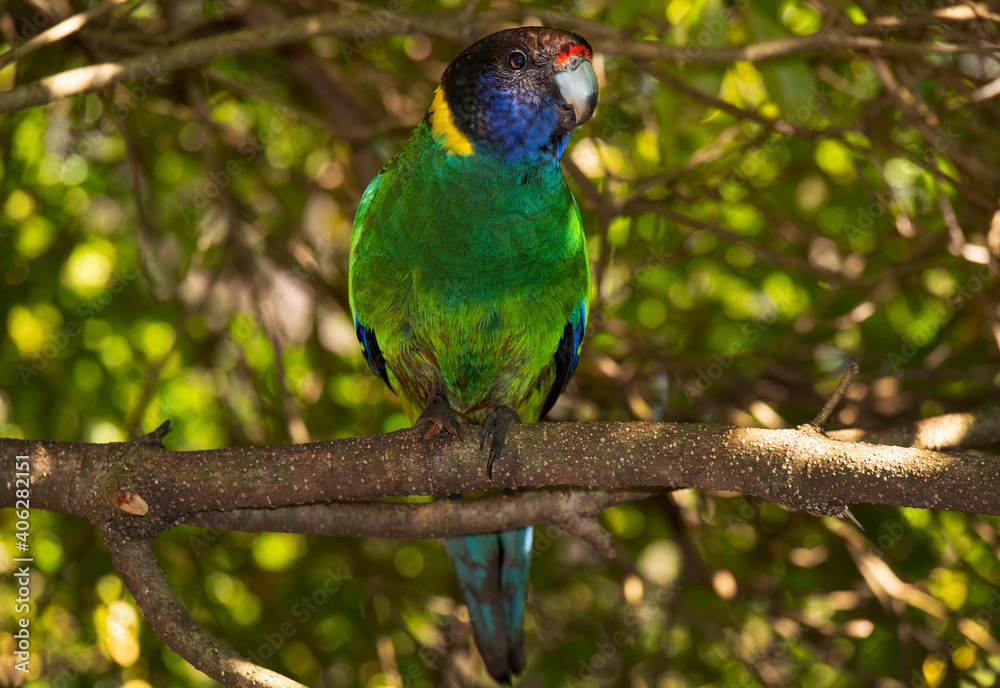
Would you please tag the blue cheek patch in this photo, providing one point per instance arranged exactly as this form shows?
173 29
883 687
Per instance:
518 123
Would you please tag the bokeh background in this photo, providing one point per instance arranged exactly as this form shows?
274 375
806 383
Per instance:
177 248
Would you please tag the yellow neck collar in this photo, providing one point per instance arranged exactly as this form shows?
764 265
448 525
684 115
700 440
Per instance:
444 129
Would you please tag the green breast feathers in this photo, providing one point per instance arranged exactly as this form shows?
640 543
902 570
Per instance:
466 271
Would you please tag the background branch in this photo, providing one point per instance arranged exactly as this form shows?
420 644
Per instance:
58 32
137 566
567 509
156 64
198 52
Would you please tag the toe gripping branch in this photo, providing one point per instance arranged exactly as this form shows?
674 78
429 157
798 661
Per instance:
437 418
495 429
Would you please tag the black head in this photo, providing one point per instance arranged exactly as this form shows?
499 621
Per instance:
519 93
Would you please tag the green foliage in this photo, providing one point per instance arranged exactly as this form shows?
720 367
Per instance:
163 248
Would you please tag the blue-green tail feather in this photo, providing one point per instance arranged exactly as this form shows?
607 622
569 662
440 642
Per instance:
516 549
492 572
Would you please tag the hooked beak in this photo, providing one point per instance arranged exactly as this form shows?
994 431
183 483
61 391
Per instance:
578 87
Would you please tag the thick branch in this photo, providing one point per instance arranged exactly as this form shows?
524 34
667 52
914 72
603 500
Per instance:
137 566
800 468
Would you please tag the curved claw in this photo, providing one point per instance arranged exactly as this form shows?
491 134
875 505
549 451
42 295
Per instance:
495 429
437 418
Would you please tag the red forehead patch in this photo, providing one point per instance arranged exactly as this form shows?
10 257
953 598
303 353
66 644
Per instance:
574 50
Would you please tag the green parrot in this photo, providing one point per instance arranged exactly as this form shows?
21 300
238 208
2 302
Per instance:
470 282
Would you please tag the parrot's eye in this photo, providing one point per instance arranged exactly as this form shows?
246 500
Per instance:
517 59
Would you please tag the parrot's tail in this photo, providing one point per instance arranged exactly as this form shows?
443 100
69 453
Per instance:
492 573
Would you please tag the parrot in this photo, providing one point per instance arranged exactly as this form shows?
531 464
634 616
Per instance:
469 278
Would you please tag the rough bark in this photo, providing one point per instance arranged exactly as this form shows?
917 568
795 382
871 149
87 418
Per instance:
134 490
801 468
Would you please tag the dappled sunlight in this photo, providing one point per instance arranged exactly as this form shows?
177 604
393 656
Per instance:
769 192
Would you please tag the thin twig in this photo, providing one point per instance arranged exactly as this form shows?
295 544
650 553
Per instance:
825 41
982 93
824 414
642 206
155 65
573 510
59 31
197 52
884 582
932 168
781 126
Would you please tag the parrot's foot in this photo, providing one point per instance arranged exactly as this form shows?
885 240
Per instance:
438 418
496 425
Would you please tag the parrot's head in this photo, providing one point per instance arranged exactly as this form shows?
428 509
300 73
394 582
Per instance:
518 93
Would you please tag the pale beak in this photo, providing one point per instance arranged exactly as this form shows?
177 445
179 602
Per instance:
578 87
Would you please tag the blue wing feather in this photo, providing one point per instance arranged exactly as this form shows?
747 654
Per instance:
567 355
366 336
372 352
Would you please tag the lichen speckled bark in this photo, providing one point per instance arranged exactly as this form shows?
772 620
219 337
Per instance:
240 487
800 468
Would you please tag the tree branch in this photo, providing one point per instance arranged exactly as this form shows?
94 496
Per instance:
134 490
575 511
800 468
154 65
781 126
58 32
824 415
137 566
822 41
774 257
950 431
